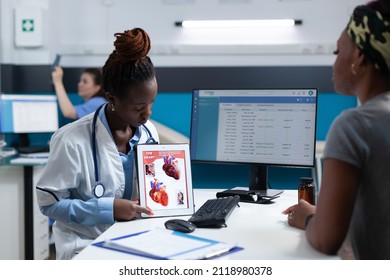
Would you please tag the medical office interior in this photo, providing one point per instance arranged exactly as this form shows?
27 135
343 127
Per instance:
34 31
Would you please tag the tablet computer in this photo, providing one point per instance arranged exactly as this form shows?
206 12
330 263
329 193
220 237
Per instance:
164 178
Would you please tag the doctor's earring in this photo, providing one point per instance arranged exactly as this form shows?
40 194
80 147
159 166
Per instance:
112 108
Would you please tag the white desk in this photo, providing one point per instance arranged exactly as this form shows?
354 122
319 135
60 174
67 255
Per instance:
260 229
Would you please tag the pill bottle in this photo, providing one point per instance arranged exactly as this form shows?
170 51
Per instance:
306 190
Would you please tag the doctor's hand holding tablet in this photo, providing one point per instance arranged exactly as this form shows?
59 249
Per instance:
126 210
89 181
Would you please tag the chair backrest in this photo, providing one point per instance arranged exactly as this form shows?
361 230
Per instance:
168 135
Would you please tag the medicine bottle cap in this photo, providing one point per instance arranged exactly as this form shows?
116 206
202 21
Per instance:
307 179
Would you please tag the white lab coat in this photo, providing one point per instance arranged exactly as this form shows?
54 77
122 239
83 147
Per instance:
69 173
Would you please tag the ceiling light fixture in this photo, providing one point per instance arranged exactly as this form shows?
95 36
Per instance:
238 23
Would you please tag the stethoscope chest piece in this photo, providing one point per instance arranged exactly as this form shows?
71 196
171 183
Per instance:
98 191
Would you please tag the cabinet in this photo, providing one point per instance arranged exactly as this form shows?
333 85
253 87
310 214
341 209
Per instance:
11 213
24 232
40 223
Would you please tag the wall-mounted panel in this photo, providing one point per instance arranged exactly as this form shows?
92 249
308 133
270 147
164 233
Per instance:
37 78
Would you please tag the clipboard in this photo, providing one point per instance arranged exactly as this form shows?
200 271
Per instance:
188 246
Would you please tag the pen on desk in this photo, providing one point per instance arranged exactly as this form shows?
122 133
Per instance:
216 253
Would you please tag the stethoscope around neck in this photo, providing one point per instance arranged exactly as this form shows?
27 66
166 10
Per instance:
99 188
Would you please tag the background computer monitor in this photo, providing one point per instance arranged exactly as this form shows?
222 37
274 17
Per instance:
22 114
259 127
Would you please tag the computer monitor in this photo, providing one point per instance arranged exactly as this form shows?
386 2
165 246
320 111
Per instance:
28 113
258 127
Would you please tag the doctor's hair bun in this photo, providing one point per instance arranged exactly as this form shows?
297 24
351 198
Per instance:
131 46
129 64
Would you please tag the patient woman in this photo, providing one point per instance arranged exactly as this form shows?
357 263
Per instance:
353 203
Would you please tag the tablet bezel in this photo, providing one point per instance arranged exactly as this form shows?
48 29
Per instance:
144 188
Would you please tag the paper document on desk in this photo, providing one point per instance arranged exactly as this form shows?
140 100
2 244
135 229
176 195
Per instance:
24 160
160 243
35 155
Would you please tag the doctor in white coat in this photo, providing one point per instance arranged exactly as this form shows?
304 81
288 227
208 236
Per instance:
89 181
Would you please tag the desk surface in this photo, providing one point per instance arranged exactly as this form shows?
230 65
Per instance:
23 161
260 229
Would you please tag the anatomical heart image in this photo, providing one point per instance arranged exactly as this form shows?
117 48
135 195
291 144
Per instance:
165 176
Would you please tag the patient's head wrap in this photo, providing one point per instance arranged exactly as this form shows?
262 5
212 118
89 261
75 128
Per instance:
371 33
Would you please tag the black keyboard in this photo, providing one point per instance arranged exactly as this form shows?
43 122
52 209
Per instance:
214 212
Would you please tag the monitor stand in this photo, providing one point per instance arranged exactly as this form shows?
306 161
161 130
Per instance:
25 148
258 177
258 181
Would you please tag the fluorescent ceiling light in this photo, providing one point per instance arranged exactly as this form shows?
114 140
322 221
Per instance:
238 23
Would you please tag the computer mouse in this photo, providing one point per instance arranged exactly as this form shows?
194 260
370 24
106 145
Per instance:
180 225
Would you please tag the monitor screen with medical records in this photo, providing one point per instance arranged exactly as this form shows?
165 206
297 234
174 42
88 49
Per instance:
164 178
28 113
258 127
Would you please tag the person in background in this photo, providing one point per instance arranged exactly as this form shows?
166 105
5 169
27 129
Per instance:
89 88
89 181
353 202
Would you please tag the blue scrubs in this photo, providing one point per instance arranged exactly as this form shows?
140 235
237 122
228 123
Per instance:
89 106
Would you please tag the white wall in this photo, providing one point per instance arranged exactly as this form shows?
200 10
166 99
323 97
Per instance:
83 31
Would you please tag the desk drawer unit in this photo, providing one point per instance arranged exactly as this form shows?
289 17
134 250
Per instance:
41 225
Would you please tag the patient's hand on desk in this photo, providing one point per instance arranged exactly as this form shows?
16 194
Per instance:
298 213
126 210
